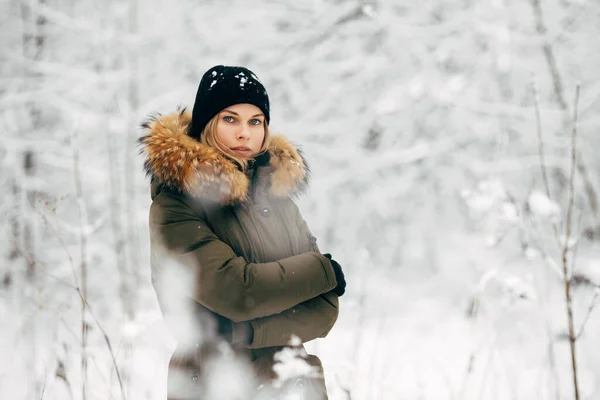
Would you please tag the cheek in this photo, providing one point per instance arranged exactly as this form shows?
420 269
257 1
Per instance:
224 133
260 136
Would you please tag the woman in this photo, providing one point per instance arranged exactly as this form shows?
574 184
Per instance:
232 258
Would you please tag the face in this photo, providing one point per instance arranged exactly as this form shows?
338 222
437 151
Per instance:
241 128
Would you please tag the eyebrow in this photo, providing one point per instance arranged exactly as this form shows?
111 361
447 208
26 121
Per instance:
233 112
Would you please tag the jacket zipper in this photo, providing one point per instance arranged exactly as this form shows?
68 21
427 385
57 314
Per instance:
251 213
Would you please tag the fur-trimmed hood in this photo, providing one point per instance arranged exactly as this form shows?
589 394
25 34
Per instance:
181 163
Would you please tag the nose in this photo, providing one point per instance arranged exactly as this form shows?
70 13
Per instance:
244 132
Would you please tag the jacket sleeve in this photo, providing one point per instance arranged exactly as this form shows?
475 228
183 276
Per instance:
308 320
226 283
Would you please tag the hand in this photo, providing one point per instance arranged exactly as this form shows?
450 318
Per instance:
340 289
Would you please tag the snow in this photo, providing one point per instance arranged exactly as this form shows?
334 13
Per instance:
542 206
369 10
451 246
290 363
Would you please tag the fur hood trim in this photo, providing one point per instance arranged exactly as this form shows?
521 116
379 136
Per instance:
181 163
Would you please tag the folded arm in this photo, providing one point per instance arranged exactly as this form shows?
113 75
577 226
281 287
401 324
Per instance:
226 283
308 320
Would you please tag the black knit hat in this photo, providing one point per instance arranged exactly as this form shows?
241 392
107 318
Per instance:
223 86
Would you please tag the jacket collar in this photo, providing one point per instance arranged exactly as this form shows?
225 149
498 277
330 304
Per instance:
182 164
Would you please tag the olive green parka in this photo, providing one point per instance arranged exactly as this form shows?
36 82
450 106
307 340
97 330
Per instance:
232 243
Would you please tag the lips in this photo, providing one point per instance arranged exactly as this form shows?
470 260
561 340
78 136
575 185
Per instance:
242 150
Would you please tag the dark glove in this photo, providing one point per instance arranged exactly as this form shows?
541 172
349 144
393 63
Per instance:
340 289
224 327
234 332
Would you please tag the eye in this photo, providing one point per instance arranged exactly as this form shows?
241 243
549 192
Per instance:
228 118
255 121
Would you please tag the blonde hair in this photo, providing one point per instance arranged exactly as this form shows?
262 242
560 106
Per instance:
209 138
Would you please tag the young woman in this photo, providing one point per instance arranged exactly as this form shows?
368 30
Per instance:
232 258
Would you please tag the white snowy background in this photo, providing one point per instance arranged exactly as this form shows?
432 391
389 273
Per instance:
419 123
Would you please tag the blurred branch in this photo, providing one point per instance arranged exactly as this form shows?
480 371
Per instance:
542 30
45 378
30 260
560 97
67 70
424 31
538 119
353 14
595 301
565 249
374 163
131 243
82 288
60 373
502 109
571 183
90 228
540 140
104 380
62 19
80 24
62 243
84 301
86 304
552 359
589 189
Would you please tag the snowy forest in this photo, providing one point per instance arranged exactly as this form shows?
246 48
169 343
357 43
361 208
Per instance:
454 175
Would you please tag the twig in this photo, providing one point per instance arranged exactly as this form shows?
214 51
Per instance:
84 301
565 249
83 222
82 289
61 374
593 304
468 373
575 250
538 119
540 26
557 82
62 243
104 379
34 262
552 361
107 340
45 378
